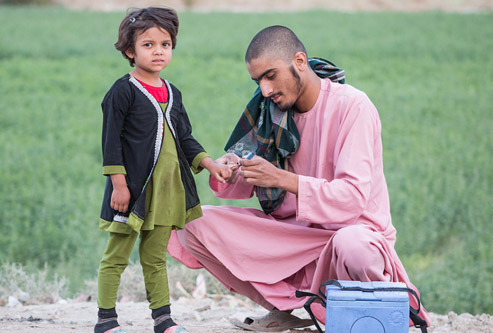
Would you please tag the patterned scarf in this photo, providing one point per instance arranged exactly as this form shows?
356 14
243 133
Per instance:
272 134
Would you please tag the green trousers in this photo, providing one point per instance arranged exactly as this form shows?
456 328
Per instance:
152 252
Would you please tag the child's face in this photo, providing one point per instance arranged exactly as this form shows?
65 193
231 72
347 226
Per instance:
152 50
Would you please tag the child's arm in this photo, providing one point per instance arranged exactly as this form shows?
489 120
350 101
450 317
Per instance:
120 198
222 172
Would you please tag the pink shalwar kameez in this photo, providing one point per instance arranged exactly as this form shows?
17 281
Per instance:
338 227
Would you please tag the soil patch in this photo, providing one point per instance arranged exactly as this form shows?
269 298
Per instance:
207 315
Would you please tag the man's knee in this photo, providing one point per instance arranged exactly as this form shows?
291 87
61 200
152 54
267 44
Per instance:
356 250
186 236
349 240
189 241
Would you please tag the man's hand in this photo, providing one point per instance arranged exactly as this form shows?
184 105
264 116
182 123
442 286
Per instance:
259 172
120 198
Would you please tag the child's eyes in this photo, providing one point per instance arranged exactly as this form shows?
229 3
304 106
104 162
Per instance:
271 77
148 44
166 44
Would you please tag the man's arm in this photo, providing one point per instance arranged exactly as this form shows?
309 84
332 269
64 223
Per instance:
357 184
342 196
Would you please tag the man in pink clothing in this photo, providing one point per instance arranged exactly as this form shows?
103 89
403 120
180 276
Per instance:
326 212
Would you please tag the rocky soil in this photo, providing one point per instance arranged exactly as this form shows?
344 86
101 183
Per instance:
211 314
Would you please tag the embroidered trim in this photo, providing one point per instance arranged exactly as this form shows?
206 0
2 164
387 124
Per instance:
160 121
120 218
168 109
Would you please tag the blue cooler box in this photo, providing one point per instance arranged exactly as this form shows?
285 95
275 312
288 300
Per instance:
367 312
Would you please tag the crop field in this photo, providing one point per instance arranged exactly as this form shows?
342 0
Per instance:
430 75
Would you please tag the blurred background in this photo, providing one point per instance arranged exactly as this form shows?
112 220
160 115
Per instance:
426 65
463 6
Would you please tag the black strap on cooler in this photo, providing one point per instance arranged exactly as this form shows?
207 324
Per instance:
313 297
413 313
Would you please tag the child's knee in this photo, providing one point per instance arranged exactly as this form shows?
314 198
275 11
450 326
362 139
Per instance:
154 262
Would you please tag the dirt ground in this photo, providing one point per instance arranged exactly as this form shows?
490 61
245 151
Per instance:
206 315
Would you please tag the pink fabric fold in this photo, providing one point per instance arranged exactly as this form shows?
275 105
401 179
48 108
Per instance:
338 227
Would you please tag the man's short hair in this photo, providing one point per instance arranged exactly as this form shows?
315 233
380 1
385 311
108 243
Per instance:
276 41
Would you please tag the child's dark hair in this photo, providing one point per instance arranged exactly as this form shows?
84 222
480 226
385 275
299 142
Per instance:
139 20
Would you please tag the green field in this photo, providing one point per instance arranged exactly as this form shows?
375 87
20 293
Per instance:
429 74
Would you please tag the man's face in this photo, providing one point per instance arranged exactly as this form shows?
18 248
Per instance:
277 79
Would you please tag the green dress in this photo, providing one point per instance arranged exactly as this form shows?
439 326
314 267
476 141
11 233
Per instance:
165 194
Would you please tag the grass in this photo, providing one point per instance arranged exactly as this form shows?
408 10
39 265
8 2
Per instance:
429 74
30 288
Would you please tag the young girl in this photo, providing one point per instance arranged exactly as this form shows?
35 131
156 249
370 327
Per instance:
148 150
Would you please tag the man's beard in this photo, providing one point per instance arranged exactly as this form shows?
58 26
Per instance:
298 89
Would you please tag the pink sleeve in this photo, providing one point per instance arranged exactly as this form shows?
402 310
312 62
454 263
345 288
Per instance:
343 199
238 190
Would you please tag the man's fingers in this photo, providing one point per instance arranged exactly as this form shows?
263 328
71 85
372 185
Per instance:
252 162
249 174
251 180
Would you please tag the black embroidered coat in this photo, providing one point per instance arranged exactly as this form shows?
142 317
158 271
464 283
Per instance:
133 125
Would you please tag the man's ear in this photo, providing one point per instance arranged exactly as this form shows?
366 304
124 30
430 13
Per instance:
300 61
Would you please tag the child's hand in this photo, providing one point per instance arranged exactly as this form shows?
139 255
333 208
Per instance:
120 198
232 161
224 169
222 172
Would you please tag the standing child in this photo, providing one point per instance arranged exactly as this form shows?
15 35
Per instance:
148 150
